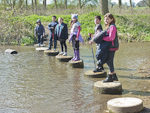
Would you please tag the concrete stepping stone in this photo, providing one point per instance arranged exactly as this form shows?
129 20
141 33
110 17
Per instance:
91 74
51 52
37 45
108 87
76 64
63 58
125 105
41 49
11 51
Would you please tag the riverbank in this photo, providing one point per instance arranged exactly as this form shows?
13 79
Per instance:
19 29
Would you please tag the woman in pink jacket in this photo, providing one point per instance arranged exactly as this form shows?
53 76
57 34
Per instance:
113 38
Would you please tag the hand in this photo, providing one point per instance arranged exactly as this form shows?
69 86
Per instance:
35 35
77 39
52 27
89 34
43 35
90 42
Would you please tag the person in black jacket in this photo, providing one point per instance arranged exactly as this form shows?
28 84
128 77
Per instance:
61 32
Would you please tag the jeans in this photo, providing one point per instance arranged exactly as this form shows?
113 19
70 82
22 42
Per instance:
51 41
40 39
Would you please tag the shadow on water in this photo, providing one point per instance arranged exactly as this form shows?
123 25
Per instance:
145 110
133 77
135 92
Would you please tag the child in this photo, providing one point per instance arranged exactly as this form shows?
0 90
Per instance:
39 32
51 27
75 36
61 32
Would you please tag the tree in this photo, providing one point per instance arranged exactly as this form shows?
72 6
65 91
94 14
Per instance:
13 4
66 4
32 6
104 6
55 4
26 4
80 4
120 4
35 5
44 4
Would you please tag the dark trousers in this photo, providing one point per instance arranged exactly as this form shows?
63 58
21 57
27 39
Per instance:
75 44
102 52
40 39
63 42
51 41
110 60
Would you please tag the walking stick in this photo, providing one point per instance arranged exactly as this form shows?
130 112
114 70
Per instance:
93 53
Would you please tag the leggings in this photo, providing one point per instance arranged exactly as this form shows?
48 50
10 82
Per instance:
63 42
75 44
110 61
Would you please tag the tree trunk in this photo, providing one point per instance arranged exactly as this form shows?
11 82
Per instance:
32 6
4 4
120 4
35 5
80 4
26 4
55 4
13 4
104 6
131 5
66 4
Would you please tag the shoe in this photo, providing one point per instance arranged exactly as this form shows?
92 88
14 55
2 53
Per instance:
48 49
108 79
98 70
115 78
54 49
74 56
42 45
61 53
65 54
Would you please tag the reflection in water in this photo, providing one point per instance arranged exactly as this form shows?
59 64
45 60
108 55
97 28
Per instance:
32 82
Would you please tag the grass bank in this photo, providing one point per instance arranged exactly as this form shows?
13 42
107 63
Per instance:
21 28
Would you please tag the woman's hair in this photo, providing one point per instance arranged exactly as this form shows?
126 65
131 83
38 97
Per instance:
109 15
61 18
71 23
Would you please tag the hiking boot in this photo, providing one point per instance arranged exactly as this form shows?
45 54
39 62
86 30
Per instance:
108 79
65 54
61 53
54 49
115 78
98 70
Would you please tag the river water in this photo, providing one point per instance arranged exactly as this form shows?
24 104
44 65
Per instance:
31 82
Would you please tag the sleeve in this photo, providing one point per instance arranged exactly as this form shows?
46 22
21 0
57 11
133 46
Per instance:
43 30
49 26
100 28
35 32
66 32
112 34
55 32
78 33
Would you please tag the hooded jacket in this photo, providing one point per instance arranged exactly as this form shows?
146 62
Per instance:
39 29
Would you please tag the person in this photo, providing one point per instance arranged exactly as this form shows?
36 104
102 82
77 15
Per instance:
113 38
51 27
61 33
39 32
98 27
102 46
75 36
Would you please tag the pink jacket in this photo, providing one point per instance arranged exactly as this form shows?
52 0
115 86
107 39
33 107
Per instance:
112 34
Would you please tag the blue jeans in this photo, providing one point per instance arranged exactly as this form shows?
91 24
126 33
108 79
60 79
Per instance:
110 61
50 41
40 39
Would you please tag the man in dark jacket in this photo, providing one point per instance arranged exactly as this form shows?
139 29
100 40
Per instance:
51 27
39 32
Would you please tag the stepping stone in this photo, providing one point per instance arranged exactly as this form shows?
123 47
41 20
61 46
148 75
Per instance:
76 64
37 45
64 58
125 105
51 52
41 48
91 74
108 87
11 51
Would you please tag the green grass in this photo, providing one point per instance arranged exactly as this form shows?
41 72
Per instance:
130 27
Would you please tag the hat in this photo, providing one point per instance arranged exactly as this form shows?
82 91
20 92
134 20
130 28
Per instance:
74 16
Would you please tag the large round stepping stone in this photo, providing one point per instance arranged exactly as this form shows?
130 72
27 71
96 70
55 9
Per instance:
51 52
11 51
76 64
125 105
91 74
108 87
37 45
41 49
63 58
